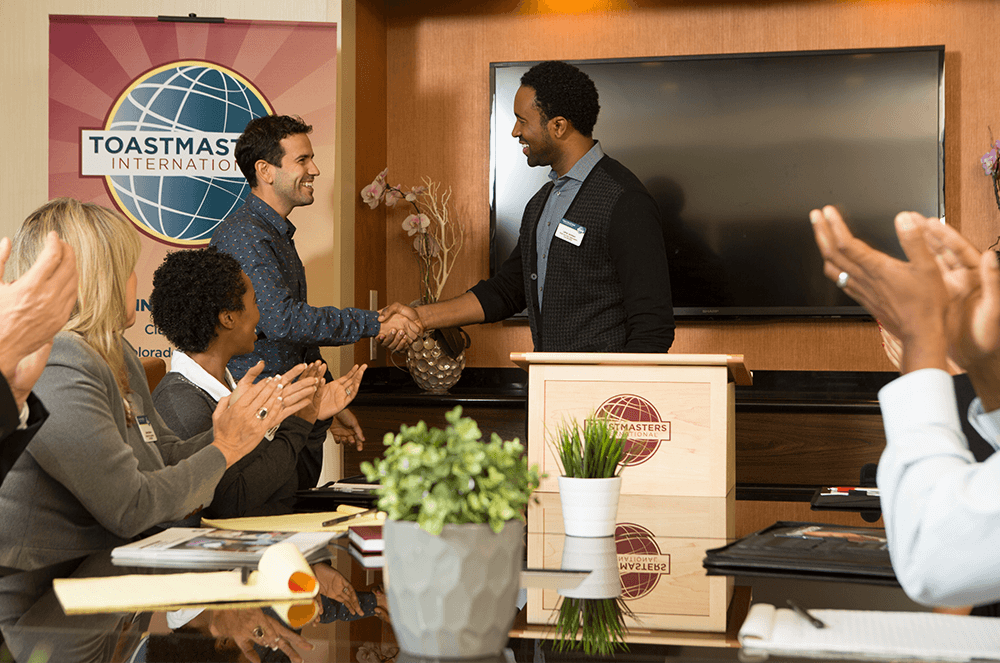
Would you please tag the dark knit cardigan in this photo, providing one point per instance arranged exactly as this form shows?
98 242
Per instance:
610 294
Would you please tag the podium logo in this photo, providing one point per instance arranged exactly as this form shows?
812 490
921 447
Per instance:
640 562
640 420
166 149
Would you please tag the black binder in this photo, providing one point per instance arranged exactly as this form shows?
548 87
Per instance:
807 551
354 491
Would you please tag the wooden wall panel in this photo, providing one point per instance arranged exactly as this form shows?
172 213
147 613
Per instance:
438 124
369 159
812 449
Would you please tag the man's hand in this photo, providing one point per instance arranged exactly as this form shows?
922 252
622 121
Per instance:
346 429
974 314
908 298
401 326
973 323
32 309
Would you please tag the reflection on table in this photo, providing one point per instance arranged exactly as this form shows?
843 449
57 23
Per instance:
31 621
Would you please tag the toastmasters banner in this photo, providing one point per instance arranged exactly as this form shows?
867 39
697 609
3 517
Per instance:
144 116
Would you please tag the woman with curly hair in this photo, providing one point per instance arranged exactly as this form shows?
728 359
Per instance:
205 305
105 468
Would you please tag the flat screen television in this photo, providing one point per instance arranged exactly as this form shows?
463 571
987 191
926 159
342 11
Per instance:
736 149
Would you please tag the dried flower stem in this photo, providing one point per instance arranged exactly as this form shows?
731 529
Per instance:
447 232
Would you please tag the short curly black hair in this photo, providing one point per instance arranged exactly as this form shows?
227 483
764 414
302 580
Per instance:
190 289
563 90
261 139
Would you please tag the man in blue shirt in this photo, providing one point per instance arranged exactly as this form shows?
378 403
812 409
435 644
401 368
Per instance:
276 157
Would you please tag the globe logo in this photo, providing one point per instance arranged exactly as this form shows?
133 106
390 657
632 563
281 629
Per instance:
167 149
640 561
640 419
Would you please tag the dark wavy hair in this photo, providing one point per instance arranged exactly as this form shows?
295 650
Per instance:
190 290
261 139
563 90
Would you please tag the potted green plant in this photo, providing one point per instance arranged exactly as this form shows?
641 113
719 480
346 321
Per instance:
591 459
592 615
454 535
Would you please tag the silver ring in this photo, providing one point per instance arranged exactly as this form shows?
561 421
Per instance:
262 414
842 279
258 632
348 391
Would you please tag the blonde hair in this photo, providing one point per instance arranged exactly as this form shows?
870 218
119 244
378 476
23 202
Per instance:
107 249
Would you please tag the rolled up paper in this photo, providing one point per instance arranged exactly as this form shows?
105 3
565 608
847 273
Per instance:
284 565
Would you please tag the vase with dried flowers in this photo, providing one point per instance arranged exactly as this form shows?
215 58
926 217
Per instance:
436 360
991 164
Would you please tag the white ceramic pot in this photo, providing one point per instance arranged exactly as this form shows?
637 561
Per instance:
589 506
452 595
597 555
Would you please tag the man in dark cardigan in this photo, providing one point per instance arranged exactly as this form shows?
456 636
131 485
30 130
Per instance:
590 264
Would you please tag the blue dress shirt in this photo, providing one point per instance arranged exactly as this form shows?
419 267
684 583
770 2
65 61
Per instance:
563 194
293 330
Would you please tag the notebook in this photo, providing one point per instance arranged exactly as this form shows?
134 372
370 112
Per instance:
870 634
811 551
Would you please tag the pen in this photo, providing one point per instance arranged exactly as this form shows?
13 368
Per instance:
352 516
805 614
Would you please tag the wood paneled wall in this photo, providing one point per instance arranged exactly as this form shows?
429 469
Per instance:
436 91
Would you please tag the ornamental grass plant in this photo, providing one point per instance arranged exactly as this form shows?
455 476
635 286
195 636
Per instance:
597 626
594 450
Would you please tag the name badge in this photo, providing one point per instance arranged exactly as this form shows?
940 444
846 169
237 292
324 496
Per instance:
146 428
571 232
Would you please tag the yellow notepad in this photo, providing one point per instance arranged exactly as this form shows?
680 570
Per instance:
282 577
297 522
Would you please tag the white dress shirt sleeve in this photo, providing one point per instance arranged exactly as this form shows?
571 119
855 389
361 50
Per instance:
987 424
941 508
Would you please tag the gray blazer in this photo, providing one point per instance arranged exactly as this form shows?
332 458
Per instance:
88 481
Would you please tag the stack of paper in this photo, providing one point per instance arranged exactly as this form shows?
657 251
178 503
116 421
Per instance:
211 548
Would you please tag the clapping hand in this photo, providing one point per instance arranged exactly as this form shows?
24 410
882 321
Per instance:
331 397
971 281
908 297
335 396
32 309
242 418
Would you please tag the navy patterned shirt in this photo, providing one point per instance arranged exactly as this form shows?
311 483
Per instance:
293 330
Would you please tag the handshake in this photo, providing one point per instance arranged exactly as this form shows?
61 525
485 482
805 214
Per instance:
401 326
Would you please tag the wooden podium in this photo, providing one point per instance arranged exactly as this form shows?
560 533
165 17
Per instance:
678 496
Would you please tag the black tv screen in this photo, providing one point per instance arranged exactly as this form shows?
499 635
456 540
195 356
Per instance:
736 149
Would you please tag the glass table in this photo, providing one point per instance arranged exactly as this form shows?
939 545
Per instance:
35 626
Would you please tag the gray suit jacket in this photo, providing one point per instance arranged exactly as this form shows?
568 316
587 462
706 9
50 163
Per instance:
88 481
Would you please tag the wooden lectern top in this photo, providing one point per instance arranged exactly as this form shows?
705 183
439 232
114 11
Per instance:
738 372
